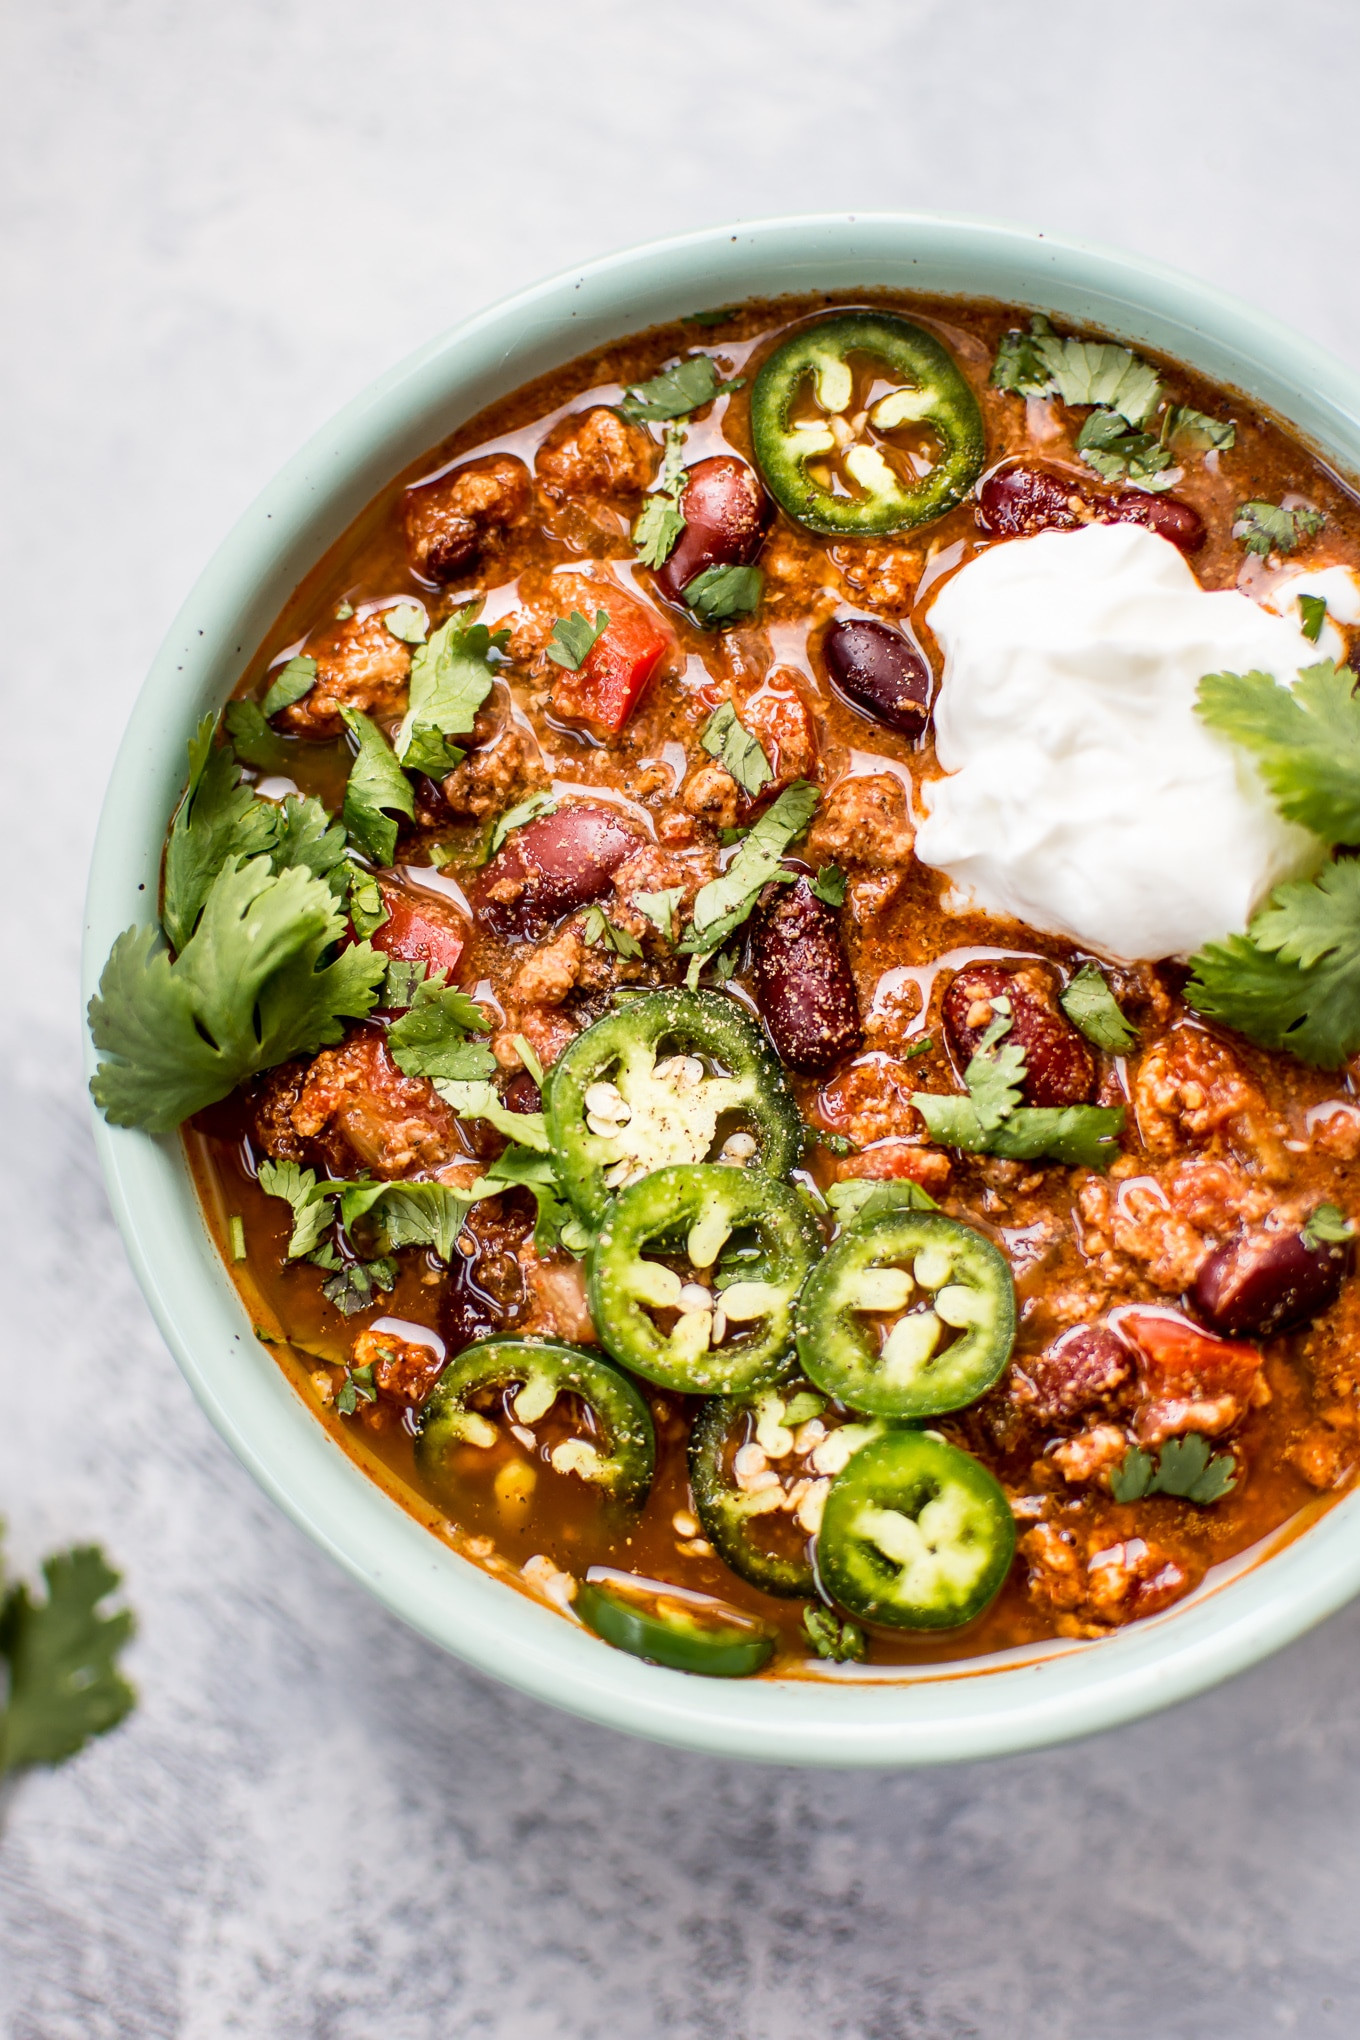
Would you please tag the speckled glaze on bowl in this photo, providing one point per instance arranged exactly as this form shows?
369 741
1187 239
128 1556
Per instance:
980 1708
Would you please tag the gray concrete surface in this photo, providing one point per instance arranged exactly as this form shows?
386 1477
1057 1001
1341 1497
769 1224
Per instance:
218 222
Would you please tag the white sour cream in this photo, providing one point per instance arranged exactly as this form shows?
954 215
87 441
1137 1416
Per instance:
1086 796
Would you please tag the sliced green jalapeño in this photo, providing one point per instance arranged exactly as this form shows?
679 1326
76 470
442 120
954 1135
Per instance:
836 449
915 1534
751 1525
693 1275
669 1626
908 1315
670 1077
619 1454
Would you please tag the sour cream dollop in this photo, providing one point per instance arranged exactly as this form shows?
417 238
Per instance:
1086 797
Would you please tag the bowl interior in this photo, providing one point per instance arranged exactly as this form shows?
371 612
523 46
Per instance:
986 1706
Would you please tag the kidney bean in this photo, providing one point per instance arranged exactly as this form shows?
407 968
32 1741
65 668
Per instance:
1059 1066
803 985
880 672
1082 1368
726 513
522 1094
550 867
1017 502
1263 1283
1179 522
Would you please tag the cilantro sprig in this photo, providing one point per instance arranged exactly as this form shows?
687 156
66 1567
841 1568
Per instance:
574 637
721 906
451 676
682 388
990 1119
1041 364
660 522
725 594
63 1686
1092 1007
1267 527
1185 1468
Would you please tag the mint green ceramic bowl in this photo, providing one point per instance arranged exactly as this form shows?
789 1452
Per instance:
981 1708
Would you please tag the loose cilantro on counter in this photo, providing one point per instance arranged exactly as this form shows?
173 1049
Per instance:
1266 527
451 677
725 902
377 792
676 391
62 1686
574 638
1091 1006
990 1119
736 750
1184 1468
660 523
725 594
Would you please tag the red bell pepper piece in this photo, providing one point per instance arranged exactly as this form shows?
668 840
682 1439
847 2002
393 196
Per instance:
611 679
419 931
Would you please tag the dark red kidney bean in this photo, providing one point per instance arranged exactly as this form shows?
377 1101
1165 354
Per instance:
1082 1368
1016 502
879 672
550 867
1059 1066
1163 514
726 513
1264 1282
803 985
522 1094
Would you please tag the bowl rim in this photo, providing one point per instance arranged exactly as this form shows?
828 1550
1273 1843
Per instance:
974 1708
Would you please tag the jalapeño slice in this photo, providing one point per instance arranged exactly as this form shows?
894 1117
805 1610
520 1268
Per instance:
667 1078
942 1293
752 1528
693 1275
822 425
618 1458
670 1626
915 1534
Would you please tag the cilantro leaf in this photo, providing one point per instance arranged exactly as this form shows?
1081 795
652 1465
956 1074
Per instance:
1106 444
660 908
1187 1469
741 754
451 677
676 391
857 1193
299 1189
357 1385
1293 980
1091 1006
1080 1136
422 1215
573 638
64 1683
377 791
253 740
351 1286
1330 1224
481 1100
725 594
307 837
713 318
596 927
514 818
431 1038
834 1637
1039 363
724 903
407 621
289 684
1196 431
1266 527
1313 614
247 991
218 818
1129 1480
367 907
660 523
1306 740
829 885
989 1120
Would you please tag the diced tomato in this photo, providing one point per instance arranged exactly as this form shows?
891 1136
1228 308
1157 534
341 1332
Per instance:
419 931
614 674
1179 1359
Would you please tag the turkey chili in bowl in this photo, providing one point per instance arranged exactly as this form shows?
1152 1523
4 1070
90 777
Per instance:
760 995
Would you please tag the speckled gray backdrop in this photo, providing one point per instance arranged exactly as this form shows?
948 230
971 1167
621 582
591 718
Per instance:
218 222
